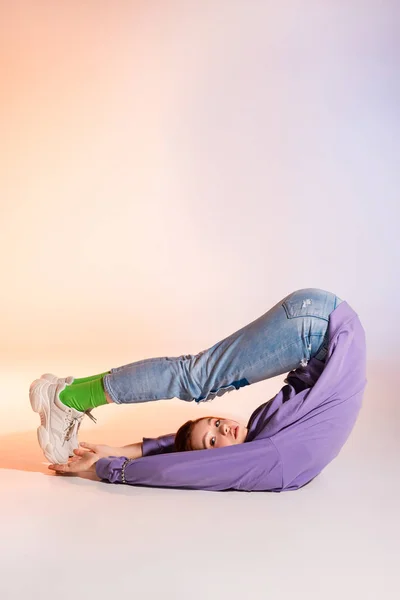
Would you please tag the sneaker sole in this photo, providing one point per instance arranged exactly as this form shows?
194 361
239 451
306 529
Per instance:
73 442
40 404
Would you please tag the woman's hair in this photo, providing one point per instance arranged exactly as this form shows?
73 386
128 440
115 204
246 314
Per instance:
183 436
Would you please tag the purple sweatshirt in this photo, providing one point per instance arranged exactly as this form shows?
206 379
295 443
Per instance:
291 438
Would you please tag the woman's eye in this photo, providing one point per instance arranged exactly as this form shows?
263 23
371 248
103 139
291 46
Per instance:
212 440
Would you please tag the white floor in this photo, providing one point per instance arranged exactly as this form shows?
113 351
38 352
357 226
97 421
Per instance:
338 537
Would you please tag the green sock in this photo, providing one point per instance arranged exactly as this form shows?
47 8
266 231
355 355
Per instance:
84 379
84 396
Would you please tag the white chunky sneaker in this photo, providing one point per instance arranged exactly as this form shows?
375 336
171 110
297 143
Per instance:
58 421
68 380
73 441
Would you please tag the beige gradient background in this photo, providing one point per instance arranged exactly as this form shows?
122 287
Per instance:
169 170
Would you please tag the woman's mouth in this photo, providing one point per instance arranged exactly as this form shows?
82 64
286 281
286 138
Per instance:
235 432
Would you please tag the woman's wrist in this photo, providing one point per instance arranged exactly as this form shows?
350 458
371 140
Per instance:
92 471
131 451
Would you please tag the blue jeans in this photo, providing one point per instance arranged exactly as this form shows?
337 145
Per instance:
287 336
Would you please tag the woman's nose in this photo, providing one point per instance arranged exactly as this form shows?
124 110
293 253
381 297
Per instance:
225 429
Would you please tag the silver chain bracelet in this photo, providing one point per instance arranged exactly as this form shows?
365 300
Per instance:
123 469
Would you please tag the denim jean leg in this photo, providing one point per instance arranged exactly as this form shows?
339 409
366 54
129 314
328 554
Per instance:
275 343
323 349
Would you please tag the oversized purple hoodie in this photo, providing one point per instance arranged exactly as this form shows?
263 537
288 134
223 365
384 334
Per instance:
291 438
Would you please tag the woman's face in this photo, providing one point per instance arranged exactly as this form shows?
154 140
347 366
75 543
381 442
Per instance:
215 432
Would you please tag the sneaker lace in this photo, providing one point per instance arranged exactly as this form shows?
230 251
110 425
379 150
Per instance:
71 422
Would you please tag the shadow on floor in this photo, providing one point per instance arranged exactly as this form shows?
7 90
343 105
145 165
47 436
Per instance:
21 452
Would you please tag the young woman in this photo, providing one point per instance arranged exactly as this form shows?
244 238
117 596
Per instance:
288 440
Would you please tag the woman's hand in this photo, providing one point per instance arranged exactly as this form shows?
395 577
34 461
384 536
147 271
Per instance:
101 450
82 464
130 451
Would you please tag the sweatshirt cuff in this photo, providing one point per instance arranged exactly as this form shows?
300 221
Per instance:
150 446
160 445
110 468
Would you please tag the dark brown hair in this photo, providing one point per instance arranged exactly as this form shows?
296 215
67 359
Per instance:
183 436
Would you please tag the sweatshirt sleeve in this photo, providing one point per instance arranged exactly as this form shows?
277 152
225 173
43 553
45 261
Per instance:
305 377
160 445
344 370
252 466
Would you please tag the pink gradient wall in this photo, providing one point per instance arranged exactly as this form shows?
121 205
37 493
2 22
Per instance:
170 170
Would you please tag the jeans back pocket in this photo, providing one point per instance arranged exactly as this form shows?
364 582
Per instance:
309 302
